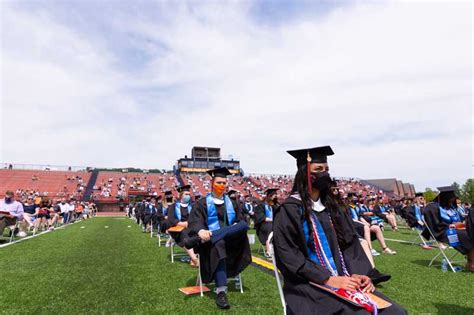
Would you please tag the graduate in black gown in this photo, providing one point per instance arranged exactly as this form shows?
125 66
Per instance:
315 241
264 217
442 215
178 216
219 235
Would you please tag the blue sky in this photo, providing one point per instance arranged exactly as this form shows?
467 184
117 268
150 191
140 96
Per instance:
139 83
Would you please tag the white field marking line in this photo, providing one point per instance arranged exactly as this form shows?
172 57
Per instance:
399 241
32 236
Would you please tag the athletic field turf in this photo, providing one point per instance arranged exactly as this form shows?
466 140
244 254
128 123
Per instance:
88 268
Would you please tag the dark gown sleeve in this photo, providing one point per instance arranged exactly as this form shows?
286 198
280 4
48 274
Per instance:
171 221
289 245
434 222
259 211
411 216
198 218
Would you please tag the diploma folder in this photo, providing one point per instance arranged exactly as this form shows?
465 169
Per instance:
176 229
194 290
381 303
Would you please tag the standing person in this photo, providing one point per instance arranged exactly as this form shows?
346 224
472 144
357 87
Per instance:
11 212
315 242
264 217
218 233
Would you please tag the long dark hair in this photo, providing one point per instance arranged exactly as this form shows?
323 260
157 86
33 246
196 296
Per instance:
330 201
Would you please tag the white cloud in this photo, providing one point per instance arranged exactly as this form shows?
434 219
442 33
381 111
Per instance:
389 86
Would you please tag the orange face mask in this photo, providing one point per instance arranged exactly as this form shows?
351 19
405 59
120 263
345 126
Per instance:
218 189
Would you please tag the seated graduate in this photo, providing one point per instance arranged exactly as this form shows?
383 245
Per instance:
368 231
315 242
149 214
264 217
414 214
178 216
386 213
441 218
219 235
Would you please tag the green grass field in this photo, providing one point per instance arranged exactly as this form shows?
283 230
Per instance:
121 270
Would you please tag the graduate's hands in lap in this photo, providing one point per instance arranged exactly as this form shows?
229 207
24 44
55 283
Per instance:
352 283
366 284
205 235
345 283
183 224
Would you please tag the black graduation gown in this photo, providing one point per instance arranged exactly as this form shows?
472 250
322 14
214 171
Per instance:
173 220
411 216
237 253
298 269
378 212
262 227
438 228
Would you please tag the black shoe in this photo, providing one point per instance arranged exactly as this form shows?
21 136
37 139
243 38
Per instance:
192 242
377 277
221 301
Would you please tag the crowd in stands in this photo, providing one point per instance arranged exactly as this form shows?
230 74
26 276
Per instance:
29 212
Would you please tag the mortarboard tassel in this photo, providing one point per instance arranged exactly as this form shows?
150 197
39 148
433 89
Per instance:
308 173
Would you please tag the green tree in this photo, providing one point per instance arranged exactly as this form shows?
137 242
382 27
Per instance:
430 194
467 192
457 189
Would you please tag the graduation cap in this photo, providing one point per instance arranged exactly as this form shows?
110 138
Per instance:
219 172
446 189
419 194
231 191
312 155
184 188
351 195
270 191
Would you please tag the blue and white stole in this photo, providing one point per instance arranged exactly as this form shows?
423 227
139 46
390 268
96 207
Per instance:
177 210
382 209
419 216
248 206
449 215
212 218
354 214
461 210
268 211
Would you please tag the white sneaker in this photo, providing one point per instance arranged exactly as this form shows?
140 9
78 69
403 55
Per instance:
389 251
21 234
374 252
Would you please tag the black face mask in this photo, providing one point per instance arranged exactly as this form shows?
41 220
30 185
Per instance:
275 200
321 180
169 199
8 199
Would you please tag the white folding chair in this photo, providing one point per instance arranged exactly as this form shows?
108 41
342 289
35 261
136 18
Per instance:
238 280
442 252
277 274
12 230
173 254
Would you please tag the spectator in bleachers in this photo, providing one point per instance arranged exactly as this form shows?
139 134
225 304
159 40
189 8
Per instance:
64 210
11 212
30 210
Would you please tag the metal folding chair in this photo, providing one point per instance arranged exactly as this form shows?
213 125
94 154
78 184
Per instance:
277 274
173 254
442 252
238 280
